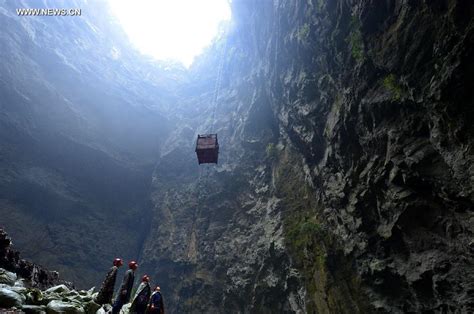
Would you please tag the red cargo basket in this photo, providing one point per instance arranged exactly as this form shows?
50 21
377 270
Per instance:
207 149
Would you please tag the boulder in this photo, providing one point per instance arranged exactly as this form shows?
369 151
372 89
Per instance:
7 277
56 306
9 298
34 309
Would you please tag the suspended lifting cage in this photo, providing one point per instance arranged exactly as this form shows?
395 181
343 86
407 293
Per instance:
207 149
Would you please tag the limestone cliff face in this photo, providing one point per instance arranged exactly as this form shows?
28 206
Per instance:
381 112
345 178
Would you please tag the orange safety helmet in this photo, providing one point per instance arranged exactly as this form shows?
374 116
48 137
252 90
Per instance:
118 262
146 278
133 265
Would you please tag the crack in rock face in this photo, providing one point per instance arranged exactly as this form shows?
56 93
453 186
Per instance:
345 181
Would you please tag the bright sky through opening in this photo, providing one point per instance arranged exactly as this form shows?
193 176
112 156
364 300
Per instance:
171 29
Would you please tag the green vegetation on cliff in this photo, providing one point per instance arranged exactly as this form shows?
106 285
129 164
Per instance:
330 280
355 40
391 83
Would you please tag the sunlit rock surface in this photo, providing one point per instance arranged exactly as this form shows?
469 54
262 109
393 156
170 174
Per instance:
345 178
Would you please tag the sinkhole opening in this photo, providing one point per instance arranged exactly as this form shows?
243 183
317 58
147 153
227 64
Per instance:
172 30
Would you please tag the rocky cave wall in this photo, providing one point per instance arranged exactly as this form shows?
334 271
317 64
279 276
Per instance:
345 180
380 110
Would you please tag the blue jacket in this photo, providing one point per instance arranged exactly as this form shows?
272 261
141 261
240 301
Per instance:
156 303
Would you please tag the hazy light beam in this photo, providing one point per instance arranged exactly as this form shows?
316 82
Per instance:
171 29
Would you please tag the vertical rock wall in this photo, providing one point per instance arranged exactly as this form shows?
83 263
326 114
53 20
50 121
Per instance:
345 180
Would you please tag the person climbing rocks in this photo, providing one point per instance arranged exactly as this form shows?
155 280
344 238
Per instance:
107 289
142 296
126 288
156 305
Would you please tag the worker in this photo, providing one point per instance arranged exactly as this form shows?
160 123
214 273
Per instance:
142 296
126 288
156 305
107 290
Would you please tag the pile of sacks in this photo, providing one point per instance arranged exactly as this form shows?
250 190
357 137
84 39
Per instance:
16 295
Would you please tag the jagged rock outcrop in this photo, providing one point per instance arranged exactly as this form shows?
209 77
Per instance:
12 265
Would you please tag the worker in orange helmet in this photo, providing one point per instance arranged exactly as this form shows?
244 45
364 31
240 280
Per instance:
126 288
140 300
107 290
